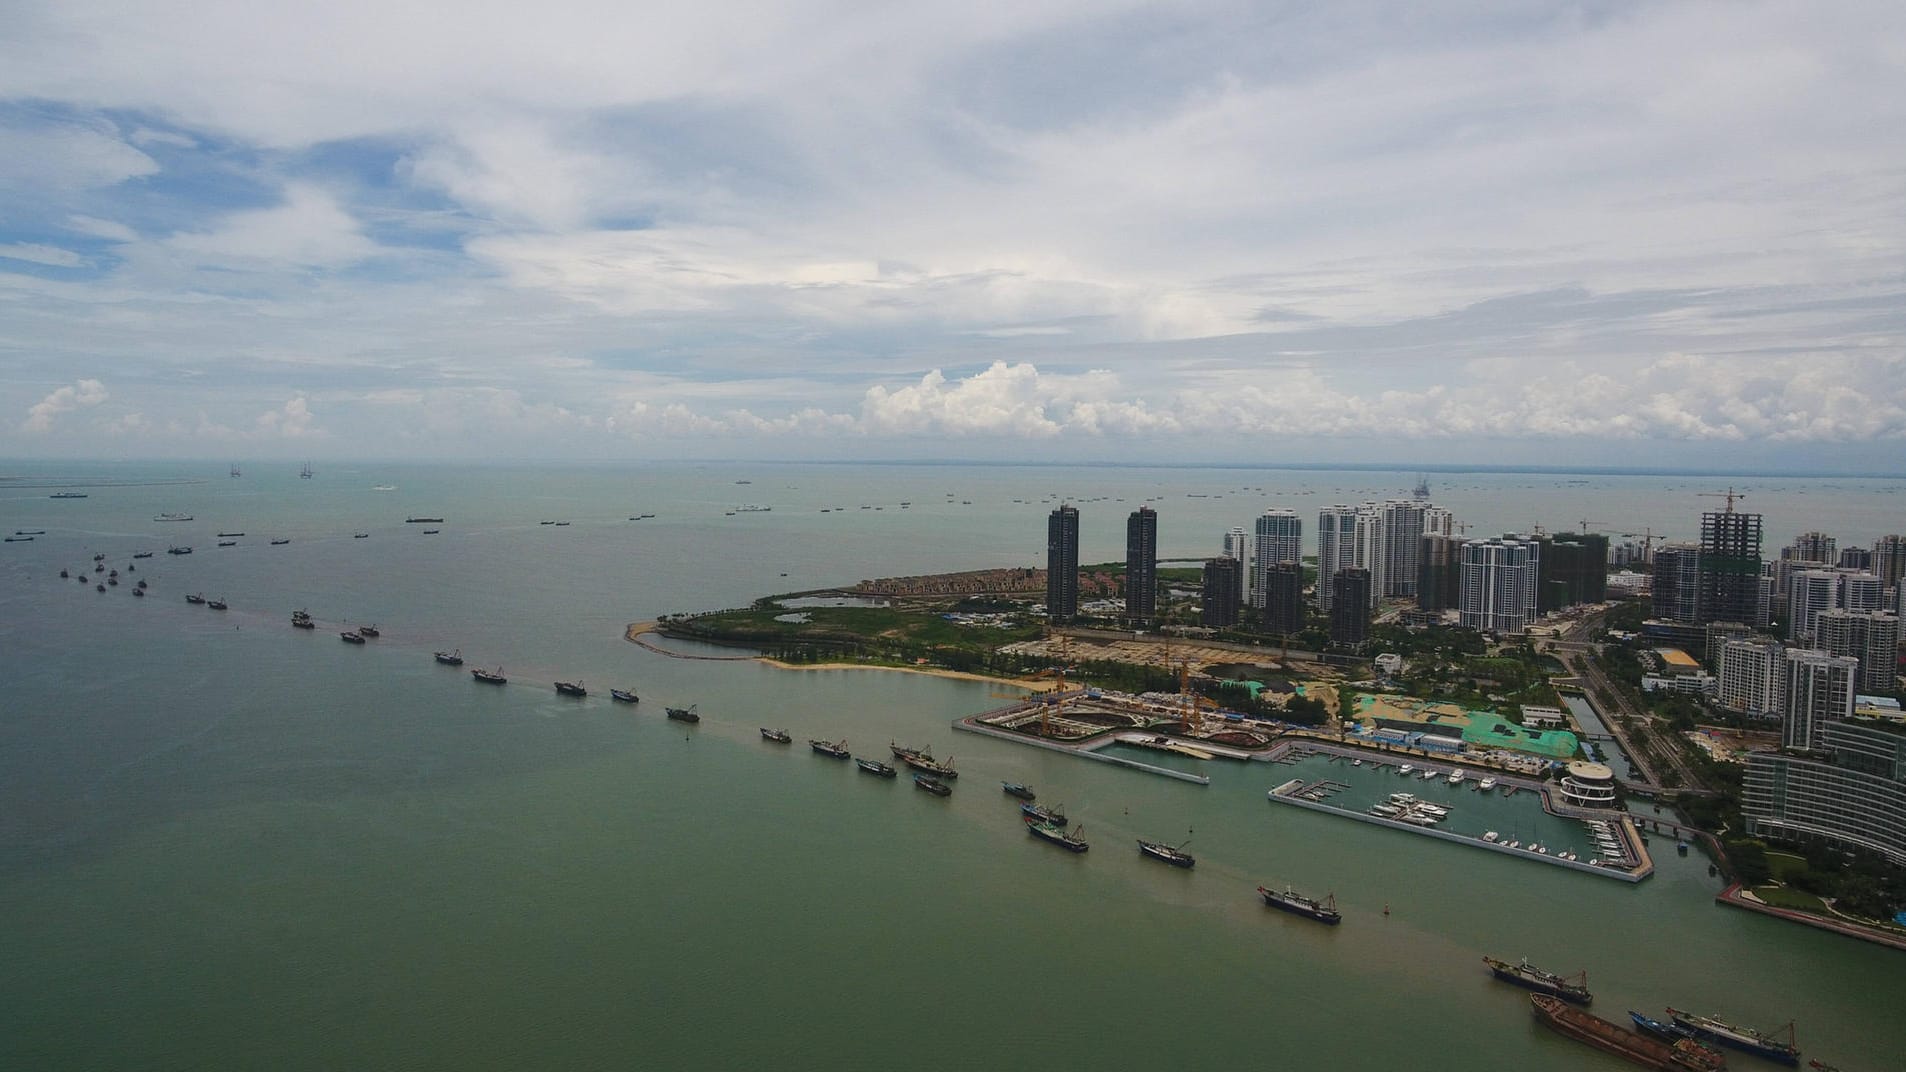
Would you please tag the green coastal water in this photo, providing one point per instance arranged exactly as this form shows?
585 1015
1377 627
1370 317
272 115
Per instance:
228 844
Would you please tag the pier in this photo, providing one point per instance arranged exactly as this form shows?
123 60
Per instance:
973 725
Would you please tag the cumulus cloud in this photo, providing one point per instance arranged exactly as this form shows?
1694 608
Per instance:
293 420
309 229
80 395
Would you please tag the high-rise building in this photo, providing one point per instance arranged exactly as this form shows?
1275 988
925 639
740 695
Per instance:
1499 584
1350 607
1812 547
1861 591
1336 548
1399 542
1730 566
1574 570
1278 536
1438 522
1853 796
1677 582
1818 689
1237 544
1889 560
1856 558
1869 636
1752 677
1809 594
1283 589
1062 563
1439 572
1223 592
1141 564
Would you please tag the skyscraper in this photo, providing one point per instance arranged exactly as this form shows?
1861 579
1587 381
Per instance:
1223 592
1439 572
1141 564
1869 636
1810 593
1574 569
1812 547
1818 690
1889 560
1730 566
1399 545
1283 590
1499 584
1752 676
1278 537
1350 607
1336 548
1062 563
1237 544
1677 582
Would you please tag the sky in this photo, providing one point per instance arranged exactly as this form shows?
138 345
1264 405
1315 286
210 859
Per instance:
1659 234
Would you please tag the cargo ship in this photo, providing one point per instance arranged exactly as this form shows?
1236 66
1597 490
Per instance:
1745 1039
1324 911
1685 1055
1570 988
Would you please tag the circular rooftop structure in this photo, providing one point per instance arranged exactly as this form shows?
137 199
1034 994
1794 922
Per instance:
1589 785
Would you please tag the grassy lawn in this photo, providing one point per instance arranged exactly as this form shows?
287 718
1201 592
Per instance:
1785 865
838 623
1783 897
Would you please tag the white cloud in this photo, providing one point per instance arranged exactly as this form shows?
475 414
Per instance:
309 229
80 395
98 228
33 253
65 157
293 420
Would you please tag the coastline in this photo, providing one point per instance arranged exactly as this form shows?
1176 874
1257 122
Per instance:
637 630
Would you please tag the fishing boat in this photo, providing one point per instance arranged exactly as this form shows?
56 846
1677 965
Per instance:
777 736
351 636
423 521
1058 835
369 631
571 688
173 517
195 599
831 749
875 767
490 677
925 764
99 588
360 535
450 658
231 534
432 532
142 554
1171 854
1039 813
1665 1030
217 604
228 543
29 532
64 575
178 550
624 696
931 784
1766 1044
1324 911
67 495
1683 1055
901 751
301 619
140 592
1570 988
682 714
19 539
1014 789
279 542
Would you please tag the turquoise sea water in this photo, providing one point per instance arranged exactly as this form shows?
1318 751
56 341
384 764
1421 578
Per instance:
228 844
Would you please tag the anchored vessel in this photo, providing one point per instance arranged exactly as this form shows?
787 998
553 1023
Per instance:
1570 988
489 677
1058 835
571 688
369 630
924 763
1685 1055
1014 789
831 749
351 636
932 785
451 658
875 767
624 695
1036 813
1759 1043
683 714
777 736
1171 854
423 521
301 619
1324 911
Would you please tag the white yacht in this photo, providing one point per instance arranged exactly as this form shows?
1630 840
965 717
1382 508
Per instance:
1487 784
1456 776
1405 768
1491 836
1432 810
1388 811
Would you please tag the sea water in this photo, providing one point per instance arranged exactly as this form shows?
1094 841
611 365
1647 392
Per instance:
227 843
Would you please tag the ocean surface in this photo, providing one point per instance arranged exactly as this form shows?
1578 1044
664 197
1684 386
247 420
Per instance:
225 843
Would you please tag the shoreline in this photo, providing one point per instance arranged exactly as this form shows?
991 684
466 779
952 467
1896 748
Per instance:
635 631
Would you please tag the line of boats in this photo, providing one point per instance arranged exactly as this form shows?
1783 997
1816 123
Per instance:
1683 1042
1456 775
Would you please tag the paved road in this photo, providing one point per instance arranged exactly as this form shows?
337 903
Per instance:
1576 651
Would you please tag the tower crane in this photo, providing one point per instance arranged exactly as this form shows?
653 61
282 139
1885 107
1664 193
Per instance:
1730 495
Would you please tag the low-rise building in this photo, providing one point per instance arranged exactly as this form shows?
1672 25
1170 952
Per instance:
1588 785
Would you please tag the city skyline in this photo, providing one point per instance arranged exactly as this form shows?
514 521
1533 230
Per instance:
1087 233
